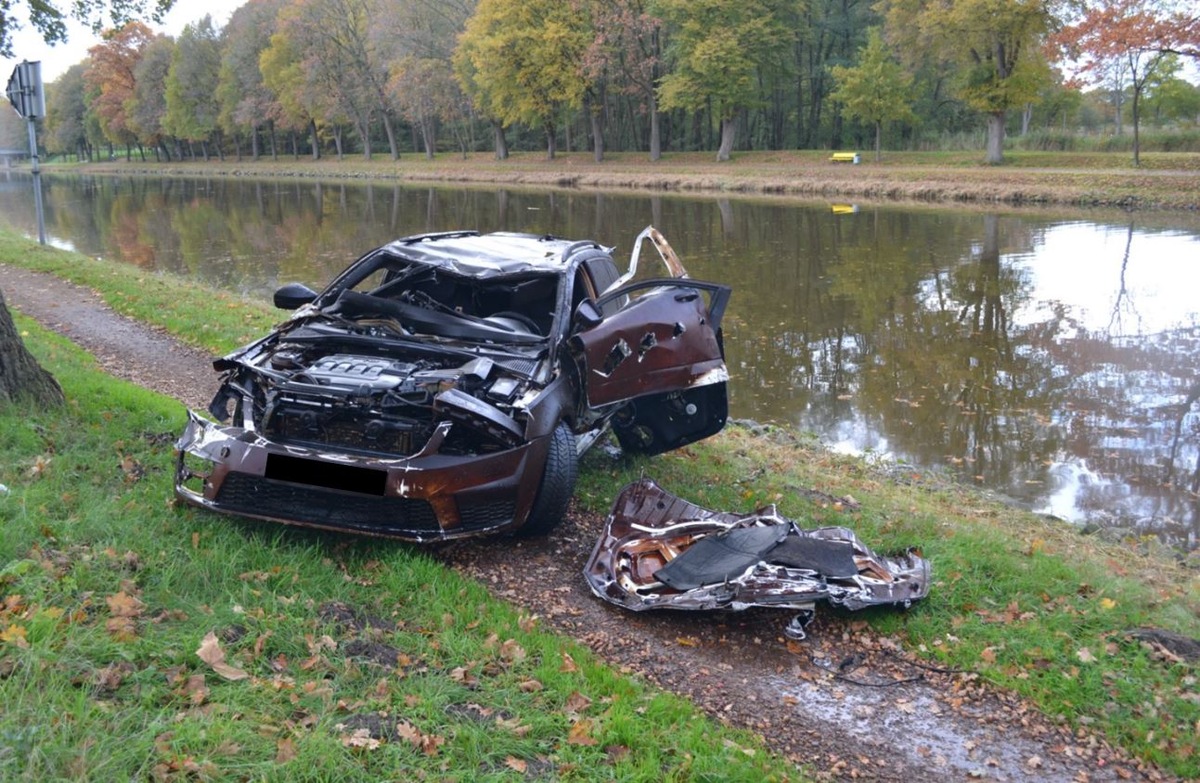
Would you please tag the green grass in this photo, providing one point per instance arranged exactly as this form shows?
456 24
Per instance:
1028 603
107 591
1078 177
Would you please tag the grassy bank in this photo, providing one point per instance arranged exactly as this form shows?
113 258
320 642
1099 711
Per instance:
1164 181
326 658
1027 603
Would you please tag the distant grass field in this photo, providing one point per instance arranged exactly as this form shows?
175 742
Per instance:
1165 180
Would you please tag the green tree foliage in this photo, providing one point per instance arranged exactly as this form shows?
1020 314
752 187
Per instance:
656 75
191 84
993 46
295 106
148 106
718 51
1171 99
50 17
66 112
876 90
245 101
523 59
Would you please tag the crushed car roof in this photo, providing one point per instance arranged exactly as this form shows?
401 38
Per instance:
482 255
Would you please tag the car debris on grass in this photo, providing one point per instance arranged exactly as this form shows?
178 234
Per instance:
658 551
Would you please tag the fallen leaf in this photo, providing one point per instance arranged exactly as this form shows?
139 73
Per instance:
285 750
124 605
14 634
1085 655
511 651
516 764
428 743
576 703
581 733
211 653
360 738
568 664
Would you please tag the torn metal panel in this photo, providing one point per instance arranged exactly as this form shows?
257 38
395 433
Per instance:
658 551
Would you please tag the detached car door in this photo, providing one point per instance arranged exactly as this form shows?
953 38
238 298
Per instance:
653 350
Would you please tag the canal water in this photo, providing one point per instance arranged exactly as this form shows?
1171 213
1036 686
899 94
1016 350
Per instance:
1052 357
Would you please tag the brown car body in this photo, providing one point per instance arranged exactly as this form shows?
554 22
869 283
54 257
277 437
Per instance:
444 386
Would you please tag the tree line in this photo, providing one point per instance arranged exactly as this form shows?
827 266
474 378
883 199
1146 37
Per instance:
320 77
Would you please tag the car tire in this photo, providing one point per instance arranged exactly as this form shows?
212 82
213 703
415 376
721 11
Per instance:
558 484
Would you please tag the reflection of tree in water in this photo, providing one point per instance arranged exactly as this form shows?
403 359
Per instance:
948 367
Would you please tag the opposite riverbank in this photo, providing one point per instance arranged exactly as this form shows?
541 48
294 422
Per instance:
1165 181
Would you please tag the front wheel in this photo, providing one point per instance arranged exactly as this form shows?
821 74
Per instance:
558 484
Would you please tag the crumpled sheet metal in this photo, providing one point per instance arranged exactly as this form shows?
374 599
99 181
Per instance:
658 551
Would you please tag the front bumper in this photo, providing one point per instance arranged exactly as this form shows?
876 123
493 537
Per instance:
428 496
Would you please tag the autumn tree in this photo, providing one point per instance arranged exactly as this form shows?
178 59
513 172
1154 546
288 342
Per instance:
524 60
111 77
66 113
192 105
333 40
245 102
294 106
1136 35
478 90
148 107
876 90
425 90
994 46
717 51
627 45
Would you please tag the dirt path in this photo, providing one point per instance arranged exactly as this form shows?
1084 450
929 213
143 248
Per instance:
844 704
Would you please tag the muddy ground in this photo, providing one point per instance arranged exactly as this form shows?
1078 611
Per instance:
843 704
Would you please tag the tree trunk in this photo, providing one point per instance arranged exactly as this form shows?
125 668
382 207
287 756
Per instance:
878 140
364 135
1137 160
550 142
316 143
501 142
995 138
655 130
254 150
337 141
21 377
391 135
596 115
728 136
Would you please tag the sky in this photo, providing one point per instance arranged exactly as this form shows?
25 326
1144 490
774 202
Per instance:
28 45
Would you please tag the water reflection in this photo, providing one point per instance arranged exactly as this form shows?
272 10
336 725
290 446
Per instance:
1051 359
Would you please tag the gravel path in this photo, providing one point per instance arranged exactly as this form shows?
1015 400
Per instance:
844 704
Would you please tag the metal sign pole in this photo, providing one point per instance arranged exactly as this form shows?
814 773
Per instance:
29 99
37 182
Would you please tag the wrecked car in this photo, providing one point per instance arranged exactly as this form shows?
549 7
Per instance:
658 551
444 385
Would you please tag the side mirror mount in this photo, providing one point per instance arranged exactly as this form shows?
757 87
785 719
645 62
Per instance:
294 295
587 314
